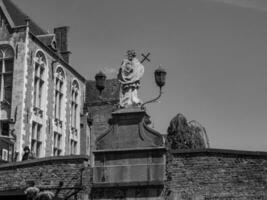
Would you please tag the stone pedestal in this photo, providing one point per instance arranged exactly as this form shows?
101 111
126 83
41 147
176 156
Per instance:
129 158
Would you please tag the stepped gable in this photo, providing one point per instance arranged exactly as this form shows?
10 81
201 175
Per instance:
16 17
129 130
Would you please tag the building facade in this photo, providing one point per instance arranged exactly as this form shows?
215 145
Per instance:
41 95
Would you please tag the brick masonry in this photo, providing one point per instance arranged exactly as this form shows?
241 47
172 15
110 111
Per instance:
216 174
211 174
52 173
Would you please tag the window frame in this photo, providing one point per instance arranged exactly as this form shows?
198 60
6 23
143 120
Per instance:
57 144
75 96
36 139
4 86
40 67
59 86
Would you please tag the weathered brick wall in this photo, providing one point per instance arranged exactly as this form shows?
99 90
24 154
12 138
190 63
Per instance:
216 174
47 174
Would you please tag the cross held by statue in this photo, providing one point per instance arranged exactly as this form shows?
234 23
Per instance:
145 57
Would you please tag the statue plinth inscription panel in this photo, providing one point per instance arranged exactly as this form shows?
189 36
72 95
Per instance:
129 167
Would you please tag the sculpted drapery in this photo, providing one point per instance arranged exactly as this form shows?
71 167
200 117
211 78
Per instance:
130 73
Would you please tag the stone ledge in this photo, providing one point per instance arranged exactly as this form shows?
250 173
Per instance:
46 160
129 150
130 110
128 184
229 152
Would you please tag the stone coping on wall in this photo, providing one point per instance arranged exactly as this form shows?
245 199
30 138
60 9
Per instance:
130 150
46 161
228 152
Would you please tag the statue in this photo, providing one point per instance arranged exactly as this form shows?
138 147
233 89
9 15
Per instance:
186 135
130 73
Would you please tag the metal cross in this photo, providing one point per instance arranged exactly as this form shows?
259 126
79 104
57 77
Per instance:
145 57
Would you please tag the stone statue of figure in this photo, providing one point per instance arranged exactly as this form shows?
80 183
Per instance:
130 73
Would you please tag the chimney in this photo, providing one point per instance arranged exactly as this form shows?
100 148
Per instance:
62 42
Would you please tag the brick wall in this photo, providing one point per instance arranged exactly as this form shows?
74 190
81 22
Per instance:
216 174
47 174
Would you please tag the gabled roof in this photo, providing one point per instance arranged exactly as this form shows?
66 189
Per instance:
16 17
47 39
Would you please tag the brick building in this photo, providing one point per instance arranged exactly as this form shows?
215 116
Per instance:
41 95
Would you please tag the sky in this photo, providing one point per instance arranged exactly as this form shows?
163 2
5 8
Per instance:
214 52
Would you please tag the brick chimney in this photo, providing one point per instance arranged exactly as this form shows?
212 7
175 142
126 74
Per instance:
62 41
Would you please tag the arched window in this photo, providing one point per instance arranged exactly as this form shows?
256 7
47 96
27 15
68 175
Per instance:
59 82
39 68
6 73
59 100
74 103
74 115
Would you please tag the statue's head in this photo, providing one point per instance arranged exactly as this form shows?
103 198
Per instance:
131 54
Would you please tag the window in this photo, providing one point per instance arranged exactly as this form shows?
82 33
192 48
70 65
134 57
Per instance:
6 73
74 105
5 154
39 68
36 143
59 82
73 146
57 144
75 116
4 128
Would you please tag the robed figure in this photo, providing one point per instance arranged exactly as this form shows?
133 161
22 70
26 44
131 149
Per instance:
130 73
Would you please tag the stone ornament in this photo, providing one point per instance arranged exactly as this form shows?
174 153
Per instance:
130 74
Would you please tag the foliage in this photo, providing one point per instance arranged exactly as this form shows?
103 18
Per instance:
186 135
31 193
45 195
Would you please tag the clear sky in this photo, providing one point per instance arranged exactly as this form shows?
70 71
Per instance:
214 52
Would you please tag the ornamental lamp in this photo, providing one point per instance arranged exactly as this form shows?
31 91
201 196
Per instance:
160 76
100 80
